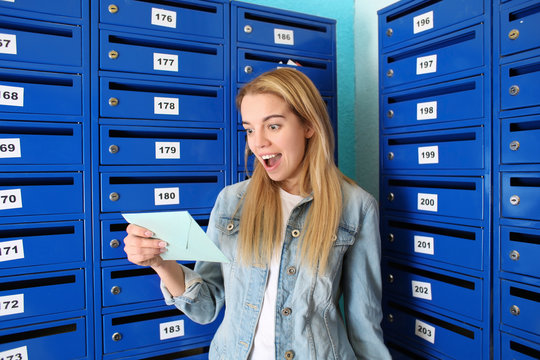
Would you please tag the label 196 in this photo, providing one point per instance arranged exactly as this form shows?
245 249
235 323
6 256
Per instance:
171 329
10 199
166 106
20 353
426 110
11 250
11 95
285 37
8 44
10 148
427 202
162 17
423 22
166 62
167 150
11 304
428 155
421 289
426 64
425 331
167 196
424 245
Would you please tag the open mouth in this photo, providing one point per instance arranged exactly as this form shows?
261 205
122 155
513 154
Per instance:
271 159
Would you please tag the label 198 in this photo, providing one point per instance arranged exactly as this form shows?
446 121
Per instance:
426 110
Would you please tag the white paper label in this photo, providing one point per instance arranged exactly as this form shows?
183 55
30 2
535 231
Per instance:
171 329
167 150
428 155
20 353
166 196
162 17
424 245
427 202
426 64
11 304
10 148
8 1
166 106
285 37
425 331
10 199
8 44
11 250
426 110
421 289
165 62
423 22
11 95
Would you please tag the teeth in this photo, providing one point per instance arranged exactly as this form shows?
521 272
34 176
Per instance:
266 157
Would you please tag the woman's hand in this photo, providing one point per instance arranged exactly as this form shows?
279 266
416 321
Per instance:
141 248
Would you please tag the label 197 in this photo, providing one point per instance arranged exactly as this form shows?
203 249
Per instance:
425 331
171 329
427 202
426 64
167 196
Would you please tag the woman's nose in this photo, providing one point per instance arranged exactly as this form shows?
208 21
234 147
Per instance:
259 139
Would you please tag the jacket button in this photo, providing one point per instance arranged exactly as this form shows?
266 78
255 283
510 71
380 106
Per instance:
286 311
296 233
230 226
291 270
289 355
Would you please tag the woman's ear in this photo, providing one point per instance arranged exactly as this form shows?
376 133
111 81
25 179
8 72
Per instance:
308 132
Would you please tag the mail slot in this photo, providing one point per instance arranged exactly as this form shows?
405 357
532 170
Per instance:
34 92
197 351
242 149
520 84
40 193
399 351
51 340
518 27
417 19
41 294
36 8
140 99
25 244
440 103
252 63
177 18
513 347
446 54
460 197
432 331
270 27
160 56
144 327
129 284
434 288
161 146
33 143
445 243
159 190
519 140
520 196
435 150
40 42
520 304
520 250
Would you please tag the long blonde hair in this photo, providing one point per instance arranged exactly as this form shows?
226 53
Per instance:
261 221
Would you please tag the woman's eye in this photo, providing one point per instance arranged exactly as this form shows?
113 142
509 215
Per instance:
249 131
274 127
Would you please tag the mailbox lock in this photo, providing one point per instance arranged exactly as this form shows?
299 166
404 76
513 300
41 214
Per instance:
113 54
513 34
248 69
117 336
113 149
389 32
514 200
113 9
391 237
514 310
390 156
115 290
248 29
390 278
113 101
514 145
514 90
514 255
114 243
390 73
390 317
390 113
114 196
390 197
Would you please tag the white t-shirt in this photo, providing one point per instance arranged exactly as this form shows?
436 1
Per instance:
264 341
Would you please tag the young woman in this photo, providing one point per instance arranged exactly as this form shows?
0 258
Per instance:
299 235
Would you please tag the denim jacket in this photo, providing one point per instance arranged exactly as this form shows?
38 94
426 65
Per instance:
309 323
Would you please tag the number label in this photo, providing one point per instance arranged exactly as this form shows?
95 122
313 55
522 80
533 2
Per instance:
426 64
11 95
426 110
11 304
20 353
167 150
423 22
428 155
10 148
11 250
171 329
10 199
8 44
284 37
166 196
162 17
166 106
424 245
421 289
165 62
425 331
427 202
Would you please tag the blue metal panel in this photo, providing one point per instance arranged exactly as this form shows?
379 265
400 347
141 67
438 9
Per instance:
519 140
520 84
242 149
56 7
520 305
519 27
129 284
137 53
520 250
517 348
520 195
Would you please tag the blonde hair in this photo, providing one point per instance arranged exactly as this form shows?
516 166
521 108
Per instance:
261 221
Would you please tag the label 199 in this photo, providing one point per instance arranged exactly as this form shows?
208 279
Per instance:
428 155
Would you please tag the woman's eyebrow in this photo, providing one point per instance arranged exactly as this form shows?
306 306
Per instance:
269 117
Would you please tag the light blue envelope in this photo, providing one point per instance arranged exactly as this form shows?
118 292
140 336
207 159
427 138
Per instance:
185 238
